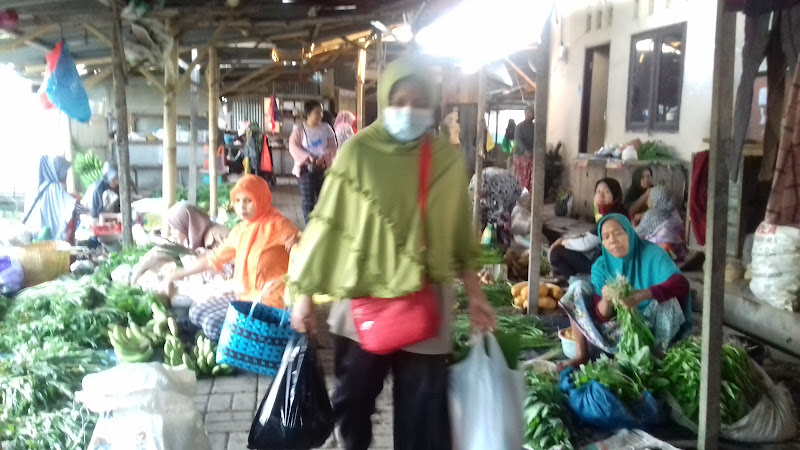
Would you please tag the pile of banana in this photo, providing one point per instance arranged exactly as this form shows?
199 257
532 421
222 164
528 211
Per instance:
160 324
131 344
205 355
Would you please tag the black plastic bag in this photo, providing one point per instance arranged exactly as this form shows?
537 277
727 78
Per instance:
296 412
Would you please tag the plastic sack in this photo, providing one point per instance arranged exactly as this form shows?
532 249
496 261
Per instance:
771 420
595 405
486 399
12 277
296 412
630 440
776 266
144 406
63 85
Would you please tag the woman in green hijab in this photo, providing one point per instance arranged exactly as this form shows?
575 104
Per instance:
365 239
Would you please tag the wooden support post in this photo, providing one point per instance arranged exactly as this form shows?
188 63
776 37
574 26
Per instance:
361 74
212 76
539 152
716 229
193 106
72 185
121 111
170 152
480 141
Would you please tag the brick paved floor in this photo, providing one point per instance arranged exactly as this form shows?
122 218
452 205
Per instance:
228 404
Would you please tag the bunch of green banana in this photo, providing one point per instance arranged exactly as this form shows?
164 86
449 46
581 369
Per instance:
130 344
159 326
88 168
205 353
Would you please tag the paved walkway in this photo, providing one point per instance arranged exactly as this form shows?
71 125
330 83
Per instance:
228 404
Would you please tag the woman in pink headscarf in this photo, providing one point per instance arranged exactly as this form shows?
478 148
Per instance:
344 127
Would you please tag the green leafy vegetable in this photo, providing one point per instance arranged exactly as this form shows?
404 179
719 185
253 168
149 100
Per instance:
741 390
635 336
544 413
653 151
623 383
490 256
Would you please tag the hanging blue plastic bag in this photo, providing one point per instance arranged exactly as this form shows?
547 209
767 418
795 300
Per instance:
64 87
595 405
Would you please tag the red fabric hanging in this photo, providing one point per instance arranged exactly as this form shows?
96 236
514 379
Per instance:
698 197
266 157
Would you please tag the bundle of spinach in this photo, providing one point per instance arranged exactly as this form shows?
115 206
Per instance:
129 255
653 151
544 413
490 256
618 378
131 301
636 339
67 428
498 295
742 387
65 309
45 378
514 334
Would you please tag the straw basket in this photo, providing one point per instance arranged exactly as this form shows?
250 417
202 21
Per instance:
44 261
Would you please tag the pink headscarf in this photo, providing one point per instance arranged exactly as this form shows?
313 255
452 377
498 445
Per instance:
345 117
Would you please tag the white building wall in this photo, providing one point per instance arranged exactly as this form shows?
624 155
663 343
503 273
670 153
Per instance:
566 77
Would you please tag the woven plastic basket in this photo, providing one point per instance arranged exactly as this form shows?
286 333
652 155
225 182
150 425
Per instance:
254 337
44 261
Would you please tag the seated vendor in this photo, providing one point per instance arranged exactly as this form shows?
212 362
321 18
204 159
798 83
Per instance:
660 291
102 196
259 247
662 224
521 222
575 256
636 195
190 227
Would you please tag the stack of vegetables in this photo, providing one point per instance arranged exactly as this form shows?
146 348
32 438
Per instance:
545 410
548 295
742 387
514 334
53 334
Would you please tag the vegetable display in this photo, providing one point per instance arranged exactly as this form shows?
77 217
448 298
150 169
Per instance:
653 151
544 413
620 379
741 386
51 336
37 387
514 334
548 295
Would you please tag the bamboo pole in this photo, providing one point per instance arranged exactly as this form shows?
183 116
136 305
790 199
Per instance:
72 185
193 107
361 69
170 152
716 229
121 110
480 141
539 151
212 76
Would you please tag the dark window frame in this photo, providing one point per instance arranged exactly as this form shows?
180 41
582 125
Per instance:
650 125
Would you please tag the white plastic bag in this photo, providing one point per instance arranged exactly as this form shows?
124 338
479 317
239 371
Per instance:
776 266
144 406
161 420
486 400
771 420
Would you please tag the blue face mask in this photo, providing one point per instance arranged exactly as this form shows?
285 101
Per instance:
407 123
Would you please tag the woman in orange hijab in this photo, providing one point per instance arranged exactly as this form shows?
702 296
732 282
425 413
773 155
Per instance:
259 247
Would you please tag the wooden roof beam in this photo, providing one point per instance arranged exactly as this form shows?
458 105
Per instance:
258 73
521 73
31 39
202 54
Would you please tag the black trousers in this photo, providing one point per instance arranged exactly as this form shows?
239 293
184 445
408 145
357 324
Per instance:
310 187
567 263
421 415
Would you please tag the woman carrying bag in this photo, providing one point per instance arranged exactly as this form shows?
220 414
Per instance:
391 230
